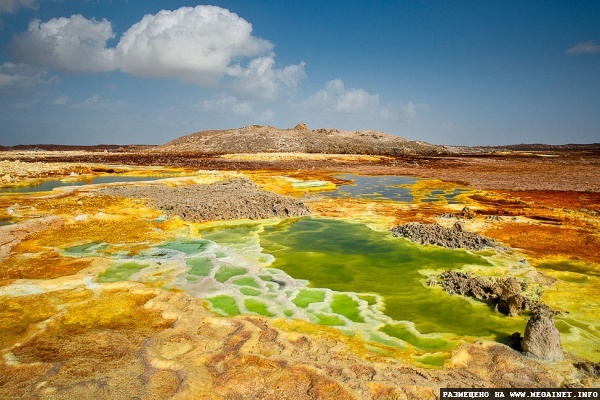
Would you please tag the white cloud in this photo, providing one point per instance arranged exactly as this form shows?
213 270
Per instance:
262 80
589 47
337 99
13 75
357 105
204 45
12 6
73 44
411 109
227 104
191 44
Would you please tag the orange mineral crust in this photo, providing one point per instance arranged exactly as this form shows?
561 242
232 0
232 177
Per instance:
546 223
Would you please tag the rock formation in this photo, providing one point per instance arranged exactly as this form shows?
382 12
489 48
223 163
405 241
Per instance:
225 200
300 139
541 338
505 296
452 238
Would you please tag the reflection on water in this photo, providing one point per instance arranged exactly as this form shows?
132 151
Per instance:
395 188
374 187
49 185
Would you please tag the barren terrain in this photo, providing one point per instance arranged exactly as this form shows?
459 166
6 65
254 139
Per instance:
63 335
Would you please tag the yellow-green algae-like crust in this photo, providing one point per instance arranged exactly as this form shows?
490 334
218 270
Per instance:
130 341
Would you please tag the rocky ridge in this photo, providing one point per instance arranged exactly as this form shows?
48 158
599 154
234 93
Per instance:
224 200
300 139
504 295
452 238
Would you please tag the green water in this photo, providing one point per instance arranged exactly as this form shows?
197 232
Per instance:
187 246
326 271
374 187
224 305
224 273
348 257
86 249
120 272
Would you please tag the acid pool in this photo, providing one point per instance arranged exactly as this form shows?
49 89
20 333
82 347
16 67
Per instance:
326 271
342 274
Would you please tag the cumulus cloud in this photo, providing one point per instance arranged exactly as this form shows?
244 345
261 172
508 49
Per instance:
204 45
16 75
227 105
230 105
334 97
73 44
589 47
337 100
192 44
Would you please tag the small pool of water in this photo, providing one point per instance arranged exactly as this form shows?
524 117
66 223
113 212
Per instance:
348 257
395 188
50 185
325 271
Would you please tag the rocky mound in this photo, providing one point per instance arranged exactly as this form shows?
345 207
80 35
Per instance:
541 338
225 200
452 238
504 295
300 139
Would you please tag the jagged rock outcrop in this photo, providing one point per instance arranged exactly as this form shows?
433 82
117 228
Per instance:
541 338
589 367
452 238
300 139
225 200
504 295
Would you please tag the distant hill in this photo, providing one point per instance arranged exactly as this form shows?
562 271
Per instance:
268 139
69 147
550 147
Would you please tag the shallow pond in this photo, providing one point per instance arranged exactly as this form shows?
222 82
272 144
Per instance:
50 185
395 188
326 271
349 257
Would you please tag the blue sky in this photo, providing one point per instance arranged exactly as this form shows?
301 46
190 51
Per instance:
446 72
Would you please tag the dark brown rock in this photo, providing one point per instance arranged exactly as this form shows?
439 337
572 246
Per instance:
589 367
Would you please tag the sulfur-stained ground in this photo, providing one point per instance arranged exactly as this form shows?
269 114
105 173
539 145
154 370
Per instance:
65 335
